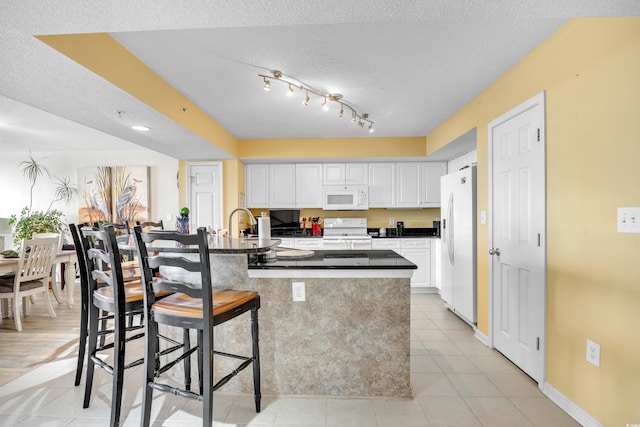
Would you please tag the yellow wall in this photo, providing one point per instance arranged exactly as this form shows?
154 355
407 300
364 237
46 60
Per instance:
331 148
590 70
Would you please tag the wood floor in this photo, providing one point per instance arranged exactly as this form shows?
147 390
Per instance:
42 339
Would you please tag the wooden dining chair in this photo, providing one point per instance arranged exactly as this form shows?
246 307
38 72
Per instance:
56 287
33 274
195 307
150 225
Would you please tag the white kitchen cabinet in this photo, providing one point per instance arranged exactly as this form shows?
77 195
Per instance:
431 174
409 185
356 173
386 243
282 185
308 185
382 181
418 251
345 173
257 185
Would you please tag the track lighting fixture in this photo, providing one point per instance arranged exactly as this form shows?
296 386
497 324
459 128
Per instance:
357 118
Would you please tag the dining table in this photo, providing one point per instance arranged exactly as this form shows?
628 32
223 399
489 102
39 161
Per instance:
66 257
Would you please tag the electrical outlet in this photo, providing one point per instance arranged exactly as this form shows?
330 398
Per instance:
392 221
297 288
169 217
628 220
593 353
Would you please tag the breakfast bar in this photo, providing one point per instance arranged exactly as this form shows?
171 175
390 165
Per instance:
349 336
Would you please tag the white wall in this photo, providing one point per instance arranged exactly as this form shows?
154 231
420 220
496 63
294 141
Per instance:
14 187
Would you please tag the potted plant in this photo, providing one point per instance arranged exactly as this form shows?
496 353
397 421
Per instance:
49 221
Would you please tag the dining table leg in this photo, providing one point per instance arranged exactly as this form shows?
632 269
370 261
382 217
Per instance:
70 281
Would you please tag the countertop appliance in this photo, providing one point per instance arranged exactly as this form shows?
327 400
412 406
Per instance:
458 234
345 233
345 197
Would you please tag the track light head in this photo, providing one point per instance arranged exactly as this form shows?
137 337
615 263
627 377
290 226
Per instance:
276 75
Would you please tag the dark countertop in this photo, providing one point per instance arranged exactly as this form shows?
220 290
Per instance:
373 232
341 259
217 245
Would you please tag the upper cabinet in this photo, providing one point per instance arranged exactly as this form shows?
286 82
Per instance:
418 184
382 181
345 173
409 185
431 174
282 185
299 185
257 185
308 185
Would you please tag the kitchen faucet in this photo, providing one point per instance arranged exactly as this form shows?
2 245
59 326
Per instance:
252 219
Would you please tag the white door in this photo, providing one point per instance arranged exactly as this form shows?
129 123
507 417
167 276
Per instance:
205 194
517 236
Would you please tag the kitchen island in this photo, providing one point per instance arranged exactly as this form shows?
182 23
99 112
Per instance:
349 337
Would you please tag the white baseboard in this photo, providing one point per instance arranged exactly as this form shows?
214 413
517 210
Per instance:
424 290
482 338
567 405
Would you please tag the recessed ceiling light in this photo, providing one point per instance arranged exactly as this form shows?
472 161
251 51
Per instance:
140 128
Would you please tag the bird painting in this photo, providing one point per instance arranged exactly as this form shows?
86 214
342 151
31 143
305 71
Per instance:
114 194
126 198
97 201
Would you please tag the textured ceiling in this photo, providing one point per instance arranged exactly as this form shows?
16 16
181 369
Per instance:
409 64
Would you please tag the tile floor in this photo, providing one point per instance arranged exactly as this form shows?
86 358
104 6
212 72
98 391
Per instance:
457 382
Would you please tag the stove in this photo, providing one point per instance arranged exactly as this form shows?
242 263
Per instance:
345 233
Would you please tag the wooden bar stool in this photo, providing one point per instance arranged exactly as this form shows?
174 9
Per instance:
195 307
110 297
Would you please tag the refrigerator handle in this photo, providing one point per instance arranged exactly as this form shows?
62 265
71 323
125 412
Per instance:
450 230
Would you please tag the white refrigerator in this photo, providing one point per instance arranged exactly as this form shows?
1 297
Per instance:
458 212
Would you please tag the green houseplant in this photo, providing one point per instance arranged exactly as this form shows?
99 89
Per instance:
49 221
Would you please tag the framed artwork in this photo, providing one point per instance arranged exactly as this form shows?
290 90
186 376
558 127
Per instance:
113 194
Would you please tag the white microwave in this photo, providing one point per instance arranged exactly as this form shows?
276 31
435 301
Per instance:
345 197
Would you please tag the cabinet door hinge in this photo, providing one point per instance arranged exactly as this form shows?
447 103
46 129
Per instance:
538 343
538 239
538 134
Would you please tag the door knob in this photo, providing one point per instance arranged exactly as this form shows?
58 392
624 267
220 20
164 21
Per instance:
495 251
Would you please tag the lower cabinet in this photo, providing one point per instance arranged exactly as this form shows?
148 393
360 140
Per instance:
416 250
300 243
